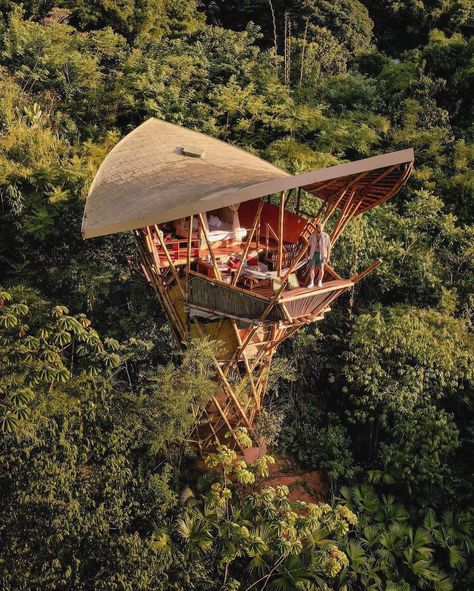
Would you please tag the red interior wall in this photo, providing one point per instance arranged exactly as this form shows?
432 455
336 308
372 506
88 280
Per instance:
292 227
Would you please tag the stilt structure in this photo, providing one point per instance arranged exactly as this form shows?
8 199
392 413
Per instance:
223 240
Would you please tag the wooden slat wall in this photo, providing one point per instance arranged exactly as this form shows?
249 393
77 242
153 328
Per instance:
228 300
309 305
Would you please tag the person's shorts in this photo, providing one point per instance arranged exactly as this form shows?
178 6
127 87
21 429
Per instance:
316 260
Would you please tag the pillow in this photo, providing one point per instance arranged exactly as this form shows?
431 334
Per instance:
214 222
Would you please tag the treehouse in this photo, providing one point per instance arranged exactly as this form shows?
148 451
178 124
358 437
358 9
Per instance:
223 239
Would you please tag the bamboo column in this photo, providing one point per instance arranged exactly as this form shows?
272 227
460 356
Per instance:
217 271
247 246
281 222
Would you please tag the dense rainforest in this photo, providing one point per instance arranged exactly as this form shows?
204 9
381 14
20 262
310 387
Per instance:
98 481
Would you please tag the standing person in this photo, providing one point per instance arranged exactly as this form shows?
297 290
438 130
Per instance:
319 253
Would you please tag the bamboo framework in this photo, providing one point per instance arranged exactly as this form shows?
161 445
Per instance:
251 326
209 289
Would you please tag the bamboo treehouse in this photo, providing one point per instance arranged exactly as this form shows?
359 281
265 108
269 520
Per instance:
223 239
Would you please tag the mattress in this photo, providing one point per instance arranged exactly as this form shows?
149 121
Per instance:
225 232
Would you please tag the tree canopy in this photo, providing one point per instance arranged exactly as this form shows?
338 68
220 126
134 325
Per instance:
100 483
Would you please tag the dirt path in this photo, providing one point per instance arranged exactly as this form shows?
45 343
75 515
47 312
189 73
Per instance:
306 486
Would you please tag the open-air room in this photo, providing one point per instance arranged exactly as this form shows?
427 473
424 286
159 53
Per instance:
223 233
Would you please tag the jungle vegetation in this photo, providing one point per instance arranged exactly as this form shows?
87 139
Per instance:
97 488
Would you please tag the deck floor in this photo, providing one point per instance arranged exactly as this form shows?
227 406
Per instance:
224 252
327 285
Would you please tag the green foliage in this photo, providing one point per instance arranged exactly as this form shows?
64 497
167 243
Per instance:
137 20
261 538
390 552
407 353
348 20
41 348
172 400
425 363
318 439
417 20
81 479
268 426
96 431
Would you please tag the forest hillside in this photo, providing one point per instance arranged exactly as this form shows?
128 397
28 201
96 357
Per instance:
99 487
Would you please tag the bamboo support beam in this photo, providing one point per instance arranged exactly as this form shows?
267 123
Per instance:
333 202
246 364
343 214
174 319
238 352
286 313
270 229
343 218
159 233
265 372
211 426
227 386
230 393
217 271
281 222
286 335
257 359
332 272
190 239
159 289
252 382
226 421
366 271
332 206
247 246
188 259
169 309
343 223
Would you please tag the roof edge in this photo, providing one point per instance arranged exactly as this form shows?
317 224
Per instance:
349 168
252 191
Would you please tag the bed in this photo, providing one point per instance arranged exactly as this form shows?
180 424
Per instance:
226 230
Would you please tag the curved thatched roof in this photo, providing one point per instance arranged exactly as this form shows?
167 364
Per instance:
161 172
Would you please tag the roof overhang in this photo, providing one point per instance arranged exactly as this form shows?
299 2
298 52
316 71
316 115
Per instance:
162 172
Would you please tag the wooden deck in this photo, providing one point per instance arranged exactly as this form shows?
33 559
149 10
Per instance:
304 303
219 298
304 292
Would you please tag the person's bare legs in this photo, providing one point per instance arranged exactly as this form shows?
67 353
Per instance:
312 273
320 275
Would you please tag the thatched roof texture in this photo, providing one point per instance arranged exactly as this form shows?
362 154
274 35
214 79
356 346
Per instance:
162 172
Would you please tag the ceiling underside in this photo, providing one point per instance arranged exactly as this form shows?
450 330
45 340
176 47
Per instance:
367 189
